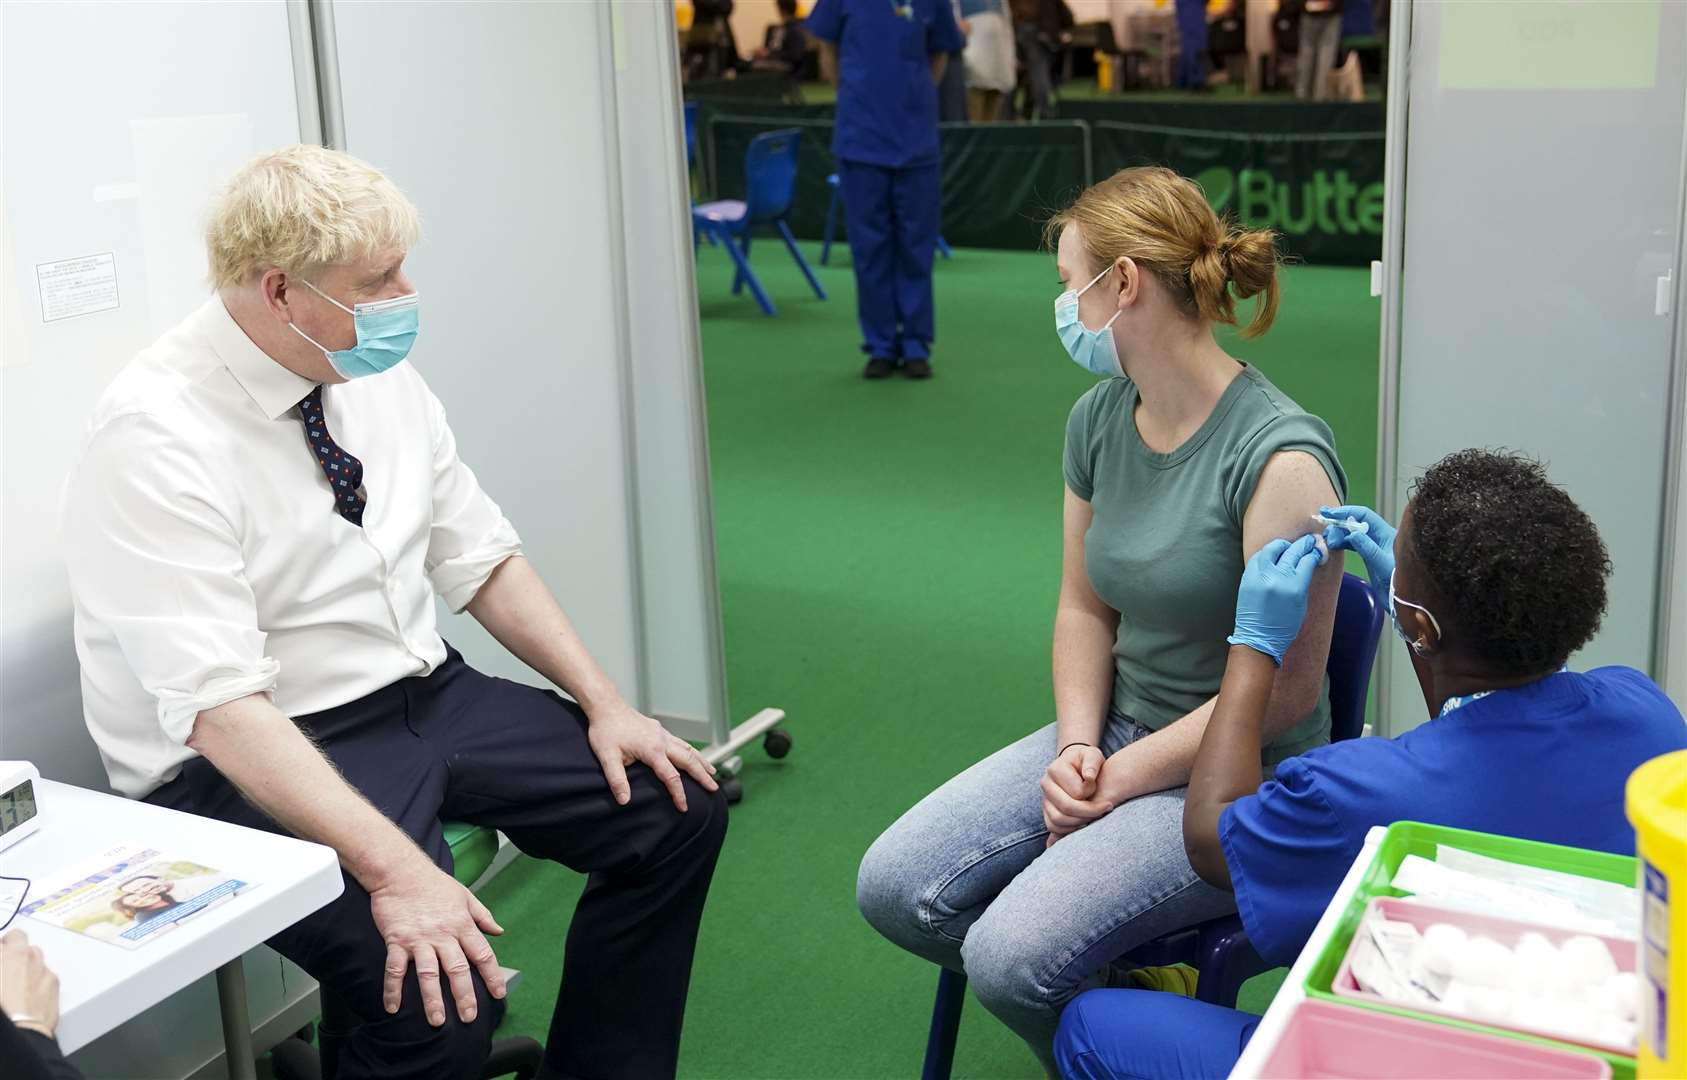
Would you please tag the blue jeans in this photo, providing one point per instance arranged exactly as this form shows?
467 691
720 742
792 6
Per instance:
963 880
1147 1035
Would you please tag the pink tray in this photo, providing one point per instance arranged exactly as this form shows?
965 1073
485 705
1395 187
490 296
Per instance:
1334 1042
1505 931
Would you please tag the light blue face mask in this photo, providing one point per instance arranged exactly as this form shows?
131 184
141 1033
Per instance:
385 331
1092 350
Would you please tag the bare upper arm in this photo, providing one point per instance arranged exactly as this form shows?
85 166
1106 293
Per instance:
1075 587
1292 487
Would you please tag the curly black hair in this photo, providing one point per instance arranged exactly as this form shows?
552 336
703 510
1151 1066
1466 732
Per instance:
1515 566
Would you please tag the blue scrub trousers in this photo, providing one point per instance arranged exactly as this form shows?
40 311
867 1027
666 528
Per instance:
1149 1035
891 218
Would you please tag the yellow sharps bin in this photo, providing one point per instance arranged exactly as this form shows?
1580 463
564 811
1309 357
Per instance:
1657 806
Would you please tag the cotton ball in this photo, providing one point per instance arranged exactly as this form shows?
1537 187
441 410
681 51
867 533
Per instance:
1442 944
1487 1003
1622 994
1624 1033
1485 962
1596 1003
1539 968
1587 962
1547 1013
1456 999
1533 1010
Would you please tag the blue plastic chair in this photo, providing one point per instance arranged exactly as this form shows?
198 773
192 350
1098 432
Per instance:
770 181
832 182
1219 949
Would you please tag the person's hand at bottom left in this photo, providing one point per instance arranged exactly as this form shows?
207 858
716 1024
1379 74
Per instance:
430 920
29 991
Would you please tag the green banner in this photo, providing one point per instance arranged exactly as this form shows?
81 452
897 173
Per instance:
1269 116
1000 181
1321 189
746 89
1322 193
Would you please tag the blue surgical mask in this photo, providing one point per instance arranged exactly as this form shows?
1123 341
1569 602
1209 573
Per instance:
1092 350
385 331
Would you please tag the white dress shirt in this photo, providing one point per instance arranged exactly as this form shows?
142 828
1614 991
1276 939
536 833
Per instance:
207 561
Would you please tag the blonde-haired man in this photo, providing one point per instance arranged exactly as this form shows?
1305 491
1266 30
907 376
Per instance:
265 503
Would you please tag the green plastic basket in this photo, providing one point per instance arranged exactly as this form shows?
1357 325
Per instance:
1414 838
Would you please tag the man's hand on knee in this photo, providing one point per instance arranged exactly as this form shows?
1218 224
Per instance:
430 920
620 735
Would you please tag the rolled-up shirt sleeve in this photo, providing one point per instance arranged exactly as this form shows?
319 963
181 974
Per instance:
156 564
470 536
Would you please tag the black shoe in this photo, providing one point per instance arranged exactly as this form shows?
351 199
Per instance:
917 369
878 368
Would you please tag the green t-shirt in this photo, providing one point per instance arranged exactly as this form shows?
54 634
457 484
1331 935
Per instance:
1165 546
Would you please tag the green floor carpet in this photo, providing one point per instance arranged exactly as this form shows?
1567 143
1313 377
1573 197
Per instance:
889 554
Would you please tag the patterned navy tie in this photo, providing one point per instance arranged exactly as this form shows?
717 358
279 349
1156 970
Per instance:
344 472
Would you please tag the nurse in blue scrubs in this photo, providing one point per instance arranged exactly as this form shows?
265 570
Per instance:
1494 578
890 55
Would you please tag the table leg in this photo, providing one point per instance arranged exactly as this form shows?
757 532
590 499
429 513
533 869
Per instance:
237 1026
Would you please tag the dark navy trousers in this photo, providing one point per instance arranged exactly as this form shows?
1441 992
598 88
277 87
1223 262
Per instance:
891 216
462 746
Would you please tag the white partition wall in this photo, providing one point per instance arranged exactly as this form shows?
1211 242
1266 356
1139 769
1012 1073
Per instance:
1533 272
115 162
489 117
542 143
684 678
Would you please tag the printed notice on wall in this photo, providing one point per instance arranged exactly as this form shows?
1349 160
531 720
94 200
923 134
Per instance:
80 286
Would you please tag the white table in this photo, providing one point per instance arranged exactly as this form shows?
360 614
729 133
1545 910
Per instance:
1293 991
103 985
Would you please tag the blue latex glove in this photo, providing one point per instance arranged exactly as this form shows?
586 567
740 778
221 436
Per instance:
1271 603
1375 545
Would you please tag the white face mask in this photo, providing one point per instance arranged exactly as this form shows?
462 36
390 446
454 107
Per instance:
1092 350
1419 645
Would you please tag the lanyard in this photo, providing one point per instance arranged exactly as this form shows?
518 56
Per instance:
903 10
1453 704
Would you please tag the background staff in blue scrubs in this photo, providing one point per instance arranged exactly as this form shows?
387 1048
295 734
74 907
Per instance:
1192 44
889 56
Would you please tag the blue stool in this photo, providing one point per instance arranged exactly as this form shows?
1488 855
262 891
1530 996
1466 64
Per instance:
1219 949
832 225
770 181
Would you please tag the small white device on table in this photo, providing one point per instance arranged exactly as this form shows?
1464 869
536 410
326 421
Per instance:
103 985
20 805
